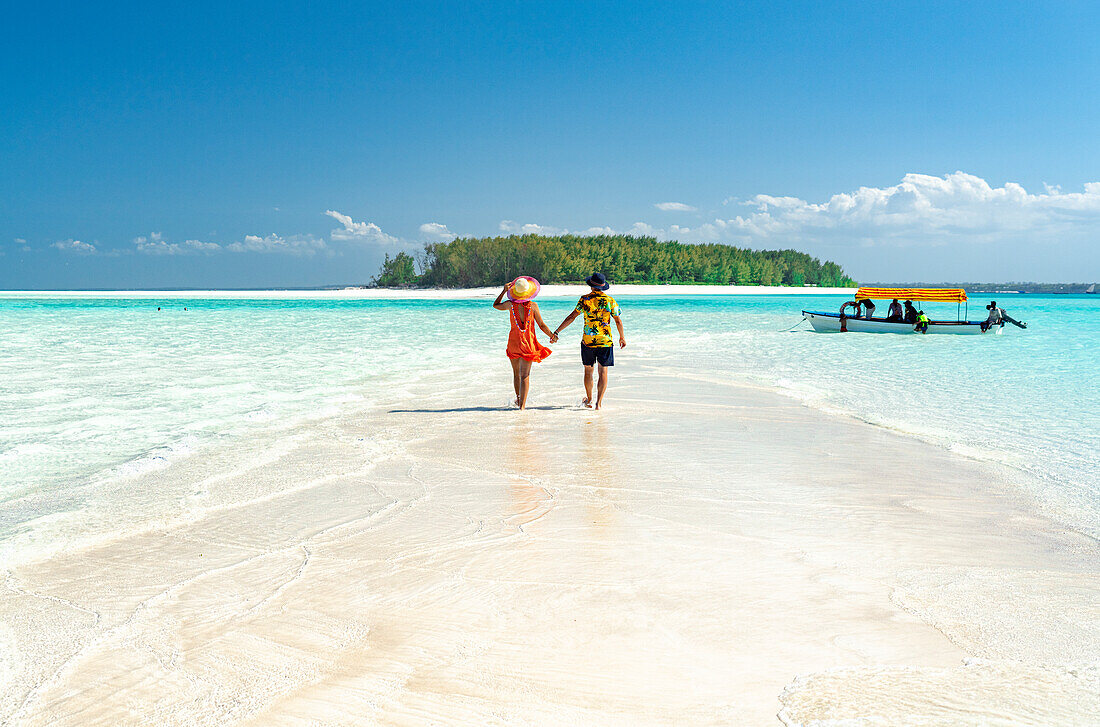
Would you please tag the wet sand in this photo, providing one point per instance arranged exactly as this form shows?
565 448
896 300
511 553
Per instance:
698 553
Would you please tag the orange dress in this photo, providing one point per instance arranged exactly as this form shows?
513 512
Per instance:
521 338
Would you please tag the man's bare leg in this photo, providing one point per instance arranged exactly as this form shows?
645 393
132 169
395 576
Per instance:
588 386
524 382
601 386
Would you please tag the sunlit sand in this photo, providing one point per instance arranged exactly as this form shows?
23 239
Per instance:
697 554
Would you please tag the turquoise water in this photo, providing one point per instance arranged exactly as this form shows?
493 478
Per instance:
94 391
1027 398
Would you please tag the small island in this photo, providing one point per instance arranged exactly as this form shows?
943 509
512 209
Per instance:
468 262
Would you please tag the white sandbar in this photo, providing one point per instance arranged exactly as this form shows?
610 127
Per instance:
698 553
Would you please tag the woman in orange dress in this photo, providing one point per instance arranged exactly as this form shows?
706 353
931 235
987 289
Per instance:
523 348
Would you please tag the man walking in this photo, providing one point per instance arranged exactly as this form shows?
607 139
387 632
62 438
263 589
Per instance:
597 345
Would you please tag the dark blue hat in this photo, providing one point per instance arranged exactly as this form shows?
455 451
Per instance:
598 281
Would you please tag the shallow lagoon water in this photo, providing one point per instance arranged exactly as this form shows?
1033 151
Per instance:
94 391
1027 398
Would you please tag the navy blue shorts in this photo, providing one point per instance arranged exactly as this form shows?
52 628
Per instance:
604 355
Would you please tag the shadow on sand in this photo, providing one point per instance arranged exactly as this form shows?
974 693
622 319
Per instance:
476 408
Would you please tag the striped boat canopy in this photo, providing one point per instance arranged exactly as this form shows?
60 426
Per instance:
943 295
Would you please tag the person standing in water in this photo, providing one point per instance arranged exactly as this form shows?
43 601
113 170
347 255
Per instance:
524 348
597 345
854 305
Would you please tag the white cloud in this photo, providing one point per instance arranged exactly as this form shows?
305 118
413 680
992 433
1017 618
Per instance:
530 228
638 229
436 232
155 244
359 231
76 246
642 229
1003 232
294 245
200 246
997 232
921 209
674 207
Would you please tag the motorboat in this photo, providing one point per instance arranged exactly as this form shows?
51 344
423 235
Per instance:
825 322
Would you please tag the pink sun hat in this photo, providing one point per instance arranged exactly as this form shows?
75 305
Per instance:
523 288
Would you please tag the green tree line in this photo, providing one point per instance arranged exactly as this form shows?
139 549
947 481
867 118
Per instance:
490 261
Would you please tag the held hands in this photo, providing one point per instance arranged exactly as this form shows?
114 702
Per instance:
553 338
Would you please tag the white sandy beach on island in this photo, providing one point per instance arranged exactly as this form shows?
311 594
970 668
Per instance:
354 293
699 553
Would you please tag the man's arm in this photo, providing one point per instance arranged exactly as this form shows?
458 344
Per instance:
565 324
622 334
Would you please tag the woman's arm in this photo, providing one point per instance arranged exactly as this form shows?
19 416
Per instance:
545 328
502 306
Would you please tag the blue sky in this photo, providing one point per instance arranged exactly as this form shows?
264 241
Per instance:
250 145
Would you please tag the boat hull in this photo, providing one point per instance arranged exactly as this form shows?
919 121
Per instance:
830 323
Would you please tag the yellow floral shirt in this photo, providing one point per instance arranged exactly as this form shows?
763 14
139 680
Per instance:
598 308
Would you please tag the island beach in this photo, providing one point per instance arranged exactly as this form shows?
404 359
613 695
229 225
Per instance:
414 293
272 456
703 552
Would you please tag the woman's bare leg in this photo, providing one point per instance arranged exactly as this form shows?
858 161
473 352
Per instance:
524 382
517 381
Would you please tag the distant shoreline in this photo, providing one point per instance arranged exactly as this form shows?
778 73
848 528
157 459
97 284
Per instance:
548 291
361 291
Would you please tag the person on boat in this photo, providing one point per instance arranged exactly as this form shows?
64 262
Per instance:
894 313
910 312
996 316
524 348
868 309
922 322
597 346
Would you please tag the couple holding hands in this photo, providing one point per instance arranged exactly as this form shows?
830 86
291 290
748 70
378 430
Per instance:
597 345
